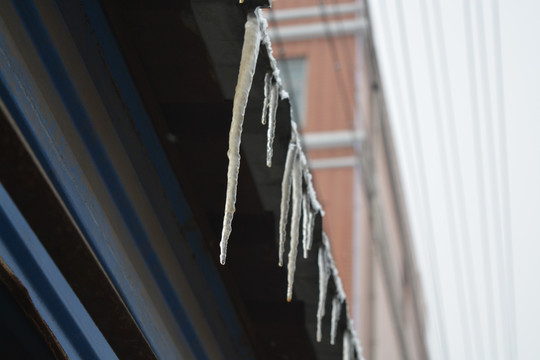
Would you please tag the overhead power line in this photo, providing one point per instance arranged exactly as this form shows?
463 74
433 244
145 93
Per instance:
348 56
466 332
506 209
481 190
349 107
491 176
494 179
463 217
410 271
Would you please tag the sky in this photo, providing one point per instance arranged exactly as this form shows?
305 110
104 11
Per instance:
468 141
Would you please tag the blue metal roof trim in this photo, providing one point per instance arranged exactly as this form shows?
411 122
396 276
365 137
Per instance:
38 128
71 183
113 58
22 251
76 110
22 99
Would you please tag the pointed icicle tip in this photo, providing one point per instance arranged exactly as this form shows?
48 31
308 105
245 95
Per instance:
295 224
336 312
305 225
267 90
272 111
324 275
285 199
248 62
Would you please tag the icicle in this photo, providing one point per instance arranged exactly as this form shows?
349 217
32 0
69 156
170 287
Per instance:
336 312
285 197
272 110
346 345
295 224
267 90
337 280
250 51
324 275
273 63
355 342
313 204
305 224
311 225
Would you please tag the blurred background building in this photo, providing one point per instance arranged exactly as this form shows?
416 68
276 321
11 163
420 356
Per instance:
329 66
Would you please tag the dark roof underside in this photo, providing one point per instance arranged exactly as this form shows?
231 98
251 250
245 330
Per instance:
184 57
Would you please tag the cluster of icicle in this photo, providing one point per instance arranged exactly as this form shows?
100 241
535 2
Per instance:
296 185
296 178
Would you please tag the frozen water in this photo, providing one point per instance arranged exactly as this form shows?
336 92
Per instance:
295 224
250 51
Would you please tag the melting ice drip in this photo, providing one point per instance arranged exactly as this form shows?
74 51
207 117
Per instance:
296 184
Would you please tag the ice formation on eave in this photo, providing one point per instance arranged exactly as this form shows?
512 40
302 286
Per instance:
337 301
296 183
285 197
248 62
305 224
267 90
324 276
272 111
336 312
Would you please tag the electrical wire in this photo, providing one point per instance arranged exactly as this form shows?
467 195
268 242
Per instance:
409 259
348 56
349 107
506 210
433 263
493 176
466 332
406 136
481 191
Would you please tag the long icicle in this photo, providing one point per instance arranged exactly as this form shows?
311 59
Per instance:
250 51
295 225
272 111
267 90
285 197
336 312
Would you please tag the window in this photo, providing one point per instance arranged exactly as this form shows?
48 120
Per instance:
293 73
